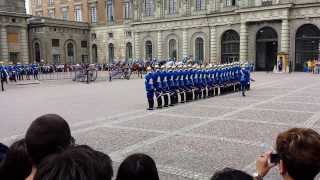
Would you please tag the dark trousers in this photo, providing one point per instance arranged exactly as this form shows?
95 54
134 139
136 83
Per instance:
182 95
159 100
166 99
150 102
243 88
174 98
2 86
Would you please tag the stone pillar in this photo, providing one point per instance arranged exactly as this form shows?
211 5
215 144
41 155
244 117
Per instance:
184 43
137 45
285 36
213 45
159 46
243 43
4 44
24 46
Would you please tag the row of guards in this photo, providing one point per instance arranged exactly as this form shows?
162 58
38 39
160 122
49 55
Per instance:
170 85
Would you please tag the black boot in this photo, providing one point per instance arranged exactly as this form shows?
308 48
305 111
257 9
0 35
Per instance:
151 104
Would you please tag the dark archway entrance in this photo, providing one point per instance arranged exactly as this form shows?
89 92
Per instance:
266 49
230 47
94 54
129 51
173 49
111 53
70 53
307 45
148 49
199 50
37 52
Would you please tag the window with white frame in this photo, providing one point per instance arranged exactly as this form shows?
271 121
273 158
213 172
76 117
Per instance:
110 10
127 9
51 13
172 5
148 7
65 14
230 3
38 2
200 4
50 2
94 14
78 15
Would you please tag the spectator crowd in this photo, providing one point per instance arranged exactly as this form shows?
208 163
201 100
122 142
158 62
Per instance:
49 152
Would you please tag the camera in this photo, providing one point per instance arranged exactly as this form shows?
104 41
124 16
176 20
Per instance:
274 158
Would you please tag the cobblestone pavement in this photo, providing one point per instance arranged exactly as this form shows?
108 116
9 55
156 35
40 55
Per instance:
188 141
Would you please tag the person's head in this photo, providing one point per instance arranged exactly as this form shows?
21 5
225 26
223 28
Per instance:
3 151
299 151
75 163
231 174
138 167
46 135
17 164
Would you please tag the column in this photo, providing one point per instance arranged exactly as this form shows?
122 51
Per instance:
137 45
285 36
243 43
4 44
159 45
24 46
213 45
184 43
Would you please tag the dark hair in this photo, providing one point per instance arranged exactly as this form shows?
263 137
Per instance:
75 163
17 164
138 167
46 135
231 174
3 151
299 149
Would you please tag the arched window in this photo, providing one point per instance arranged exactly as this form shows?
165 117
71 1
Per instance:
37 52
94 54
148 49
173 49
128 51
172 6
199 50
230 46
200 4
307 45
148 7
111 53
70 53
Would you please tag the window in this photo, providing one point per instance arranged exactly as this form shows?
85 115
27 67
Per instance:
148 7
200 4
199 48
173 49
51 13
84 44
127 10
50 2
148 50
111 53
266 2
230 3
110 10
93 36
65 14
110 35
172 6
78 16
55 42
128 34
38 2
56 59
93 14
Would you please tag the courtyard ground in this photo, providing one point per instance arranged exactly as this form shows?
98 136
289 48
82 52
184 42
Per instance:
188 141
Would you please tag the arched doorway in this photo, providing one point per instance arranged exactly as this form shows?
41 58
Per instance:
70 53
173 49
148 49
266 49
37 54
230 47
111 53
307 45
199 50
128 51
94 53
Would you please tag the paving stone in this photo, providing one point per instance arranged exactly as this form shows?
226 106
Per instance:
201 155
249 131
273 116
199 111
291 106
161 122
301 99
111 139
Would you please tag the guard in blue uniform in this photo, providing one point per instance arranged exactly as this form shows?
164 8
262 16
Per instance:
149 78
3 76
165 86
244 78
158 86
172 87
35 71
